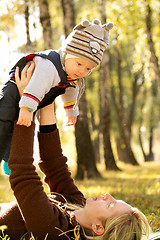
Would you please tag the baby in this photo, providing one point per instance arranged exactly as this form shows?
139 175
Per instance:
56 73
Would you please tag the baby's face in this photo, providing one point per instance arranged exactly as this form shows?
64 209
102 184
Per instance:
77 67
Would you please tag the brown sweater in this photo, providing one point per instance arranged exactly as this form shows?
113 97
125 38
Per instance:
32 212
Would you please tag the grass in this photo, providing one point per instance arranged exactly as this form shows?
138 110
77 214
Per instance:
137 185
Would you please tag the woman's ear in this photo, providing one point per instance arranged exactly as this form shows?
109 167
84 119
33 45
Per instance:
98 229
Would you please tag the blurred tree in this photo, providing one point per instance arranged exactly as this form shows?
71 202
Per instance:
92 94
130 56
120 109
85 152
30 46
141 105
46 24
151 123
137 83
105 102
86 166
95 131
8 10
26 12
69 16
153 58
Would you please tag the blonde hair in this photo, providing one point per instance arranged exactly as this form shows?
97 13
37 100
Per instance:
131 226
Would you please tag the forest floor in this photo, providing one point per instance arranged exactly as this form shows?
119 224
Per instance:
137 185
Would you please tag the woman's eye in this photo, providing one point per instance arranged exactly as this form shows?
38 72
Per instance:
111 205
79 64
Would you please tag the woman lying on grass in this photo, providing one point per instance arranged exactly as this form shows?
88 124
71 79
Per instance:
65 214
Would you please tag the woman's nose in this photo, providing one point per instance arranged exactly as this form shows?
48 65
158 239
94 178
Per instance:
108 196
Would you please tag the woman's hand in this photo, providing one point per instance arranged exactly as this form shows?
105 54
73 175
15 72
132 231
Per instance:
26 75
25 116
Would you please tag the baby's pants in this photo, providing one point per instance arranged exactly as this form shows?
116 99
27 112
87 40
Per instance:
9 110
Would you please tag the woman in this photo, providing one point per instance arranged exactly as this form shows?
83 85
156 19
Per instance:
65 213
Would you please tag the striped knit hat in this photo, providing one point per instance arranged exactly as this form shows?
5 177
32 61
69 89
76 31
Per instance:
88 40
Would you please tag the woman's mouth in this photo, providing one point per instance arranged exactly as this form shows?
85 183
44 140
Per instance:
95 198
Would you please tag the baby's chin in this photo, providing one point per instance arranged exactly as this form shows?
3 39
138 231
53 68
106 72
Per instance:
73 77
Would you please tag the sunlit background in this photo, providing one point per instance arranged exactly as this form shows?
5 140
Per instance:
128 17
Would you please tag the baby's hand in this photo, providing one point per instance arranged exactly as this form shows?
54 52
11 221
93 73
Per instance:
25 117
71 121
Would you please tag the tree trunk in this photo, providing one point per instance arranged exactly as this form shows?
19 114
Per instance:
153 58
150 156
69 16
85 153
124 127
26 13
30 46
86 164
104 101
96 141
46 24
121 114
121 150
140 125
135 89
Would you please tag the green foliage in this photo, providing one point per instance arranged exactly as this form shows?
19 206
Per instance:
8 10
4 236
88 10
57 23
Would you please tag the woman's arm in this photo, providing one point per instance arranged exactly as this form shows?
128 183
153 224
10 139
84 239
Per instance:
53 163
39 214
25 116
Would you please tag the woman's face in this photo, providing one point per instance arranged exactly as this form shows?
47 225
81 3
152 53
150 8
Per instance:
106 206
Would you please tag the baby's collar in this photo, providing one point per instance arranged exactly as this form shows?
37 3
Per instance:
62 57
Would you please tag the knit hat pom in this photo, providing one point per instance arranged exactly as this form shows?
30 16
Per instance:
96 21
108 26
85 23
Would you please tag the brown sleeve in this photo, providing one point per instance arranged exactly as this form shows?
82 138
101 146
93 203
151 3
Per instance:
53 164
40 216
